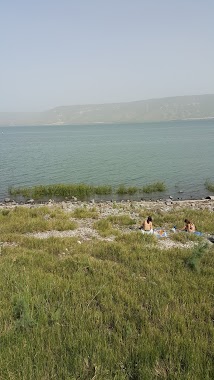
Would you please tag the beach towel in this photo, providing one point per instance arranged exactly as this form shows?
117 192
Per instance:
160 233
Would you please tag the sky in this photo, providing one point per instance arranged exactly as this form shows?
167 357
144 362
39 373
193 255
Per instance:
68 52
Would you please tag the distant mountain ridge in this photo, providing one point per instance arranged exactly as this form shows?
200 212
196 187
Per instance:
164 109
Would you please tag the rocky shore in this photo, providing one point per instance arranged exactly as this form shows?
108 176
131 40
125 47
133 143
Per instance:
85 226
163 205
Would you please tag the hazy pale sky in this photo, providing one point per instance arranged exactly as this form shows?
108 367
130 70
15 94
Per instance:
64 52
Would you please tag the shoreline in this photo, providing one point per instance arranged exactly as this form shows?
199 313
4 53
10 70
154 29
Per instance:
148 204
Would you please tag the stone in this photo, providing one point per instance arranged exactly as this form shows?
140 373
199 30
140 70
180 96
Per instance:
30 201
7 200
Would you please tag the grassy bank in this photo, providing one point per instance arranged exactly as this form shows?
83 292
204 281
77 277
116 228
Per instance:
123 309
82 191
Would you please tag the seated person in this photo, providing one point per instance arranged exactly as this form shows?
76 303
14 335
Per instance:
189 226
146 226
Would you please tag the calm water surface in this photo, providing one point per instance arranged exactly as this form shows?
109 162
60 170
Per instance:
180 153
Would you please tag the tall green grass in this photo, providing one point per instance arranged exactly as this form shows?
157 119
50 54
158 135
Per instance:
154 187
83 213
81 191
122 310
23 220
122 190
209 186
194 261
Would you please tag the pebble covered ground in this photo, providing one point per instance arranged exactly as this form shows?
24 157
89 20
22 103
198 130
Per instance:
85 226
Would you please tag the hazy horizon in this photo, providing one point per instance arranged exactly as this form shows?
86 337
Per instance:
61 53
107 103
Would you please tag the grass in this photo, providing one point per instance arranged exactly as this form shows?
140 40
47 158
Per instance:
209 186
121 310
122 190
154 187
122 220
105 228
22 220
202 219
81 191
83 212
193 262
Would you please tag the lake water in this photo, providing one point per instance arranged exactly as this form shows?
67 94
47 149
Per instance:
180 153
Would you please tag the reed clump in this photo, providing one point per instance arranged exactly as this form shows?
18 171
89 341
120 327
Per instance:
154 187
122 190
209 186
81 191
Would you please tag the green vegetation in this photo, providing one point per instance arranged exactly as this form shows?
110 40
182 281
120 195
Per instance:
171 108
105 228
122 190
22 220
193 262
103 310
184 238
209 186
81 191
83 212
122 220
154 187
202 219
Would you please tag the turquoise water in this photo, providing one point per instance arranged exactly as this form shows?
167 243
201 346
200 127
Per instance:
180 153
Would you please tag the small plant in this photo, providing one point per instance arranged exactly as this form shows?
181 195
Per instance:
81 191
122 190
82 213
104 227
154 187
209 185
122 220
184 237
5 212
103 190
193 262
21 314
